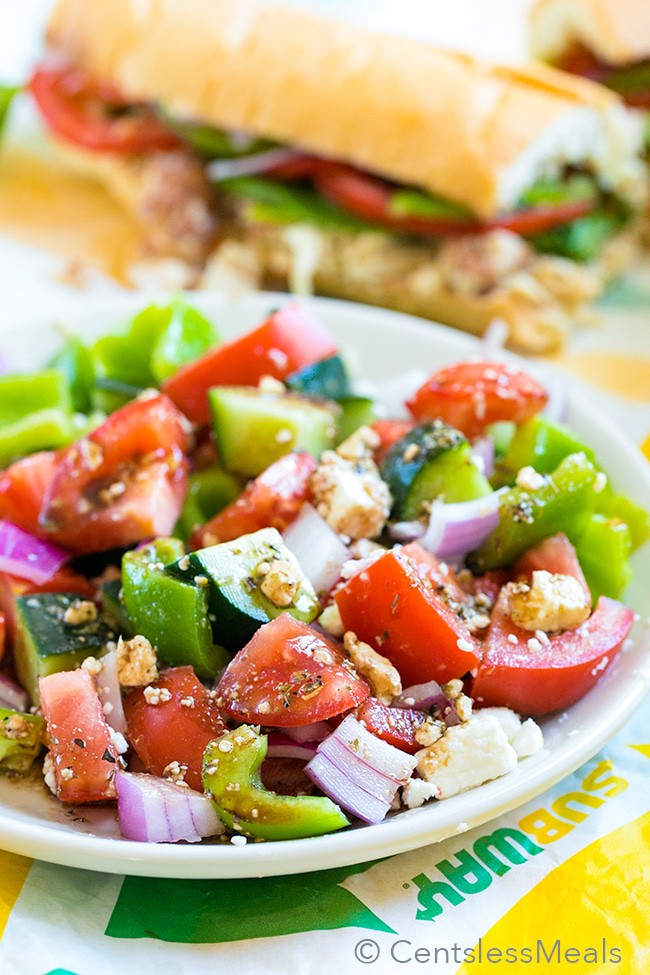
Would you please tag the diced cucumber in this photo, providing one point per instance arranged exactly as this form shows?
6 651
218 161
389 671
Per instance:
172 613
232 573
432 461
45 644
537 443
20 739
253 429
327 379
356 411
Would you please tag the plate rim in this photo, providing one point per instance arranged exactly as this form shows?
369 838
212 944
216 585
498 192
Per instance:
409 829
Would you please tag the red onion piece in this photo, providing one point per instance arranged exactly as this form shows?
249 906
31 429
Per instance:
359 771
483 450
428 697
407 531
27 557
319 550
308 732
336 784
456 529
109 692
281 746
152 810
259 162
12 696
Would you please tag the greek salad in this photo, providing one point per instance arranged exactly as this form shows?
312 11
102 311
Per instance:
241 599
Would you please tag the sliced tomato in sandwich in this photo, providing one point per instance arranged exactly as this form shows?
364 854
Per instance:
94 114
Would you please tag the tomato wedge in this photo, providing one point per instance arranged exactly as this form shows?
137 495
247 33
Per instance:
288 340
123 483
171 731
472 395
403 605
94 114
23 487
80 742
369 197
554 676
289 675
397 726
272 500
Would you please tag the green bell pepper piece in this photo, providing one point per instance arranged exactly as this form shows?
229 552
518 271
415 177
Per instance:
159 340
537 443
75 361
619 506
272 201
604 554
43 430
564 504
171 613
113 608
20 739
21 396
235 760
209 491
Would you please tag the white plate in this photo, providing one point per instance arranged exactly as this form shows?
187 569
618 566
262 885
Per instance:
379 344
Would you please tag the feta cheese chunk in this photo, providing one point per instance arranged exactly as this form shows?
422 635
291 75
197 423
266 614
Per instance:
383 677
468 755
550 602
350 496
525 736
137 663
416 792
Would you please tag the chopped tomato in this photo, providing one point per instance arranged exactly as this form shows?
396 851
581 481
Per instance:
272 500
95 114
123 483
171 731
23 487
550 676
405 606
397 726
370 198
84 755
289 675
389 431
288 340
472 395
556 555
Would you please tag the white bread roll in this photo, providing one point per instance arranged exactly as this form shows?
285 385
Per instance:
473 133
617 31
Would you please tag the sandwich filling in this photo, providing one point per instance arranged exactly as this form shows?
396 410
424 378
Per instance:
571 213
631 81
